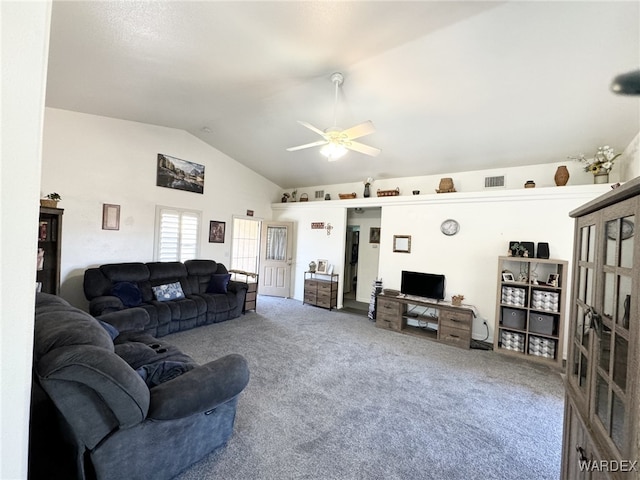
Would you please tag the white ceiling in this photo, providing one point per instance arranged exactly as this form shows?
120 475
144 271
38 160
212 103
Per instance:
450 86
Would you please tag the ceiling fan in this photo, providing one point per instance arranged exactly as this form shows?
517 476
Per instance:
335 141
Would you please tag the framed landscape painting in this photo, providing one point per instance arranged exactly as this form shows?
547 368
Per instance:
179 174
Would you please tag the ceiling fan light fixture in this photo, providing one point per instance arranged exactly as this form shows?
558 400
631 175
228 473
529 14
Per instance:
333 151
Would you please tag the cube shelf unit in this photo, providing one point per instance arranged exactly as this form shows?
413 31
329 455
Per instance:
530 308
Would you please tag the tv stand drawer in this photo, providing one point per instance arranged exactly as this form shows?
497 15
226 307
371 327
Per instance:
455 336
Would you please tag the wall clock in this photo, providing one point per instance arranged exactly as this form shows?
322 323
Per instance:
449 227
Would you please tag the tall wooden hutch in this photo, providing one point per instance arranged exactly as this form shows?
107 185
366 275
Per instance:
602 383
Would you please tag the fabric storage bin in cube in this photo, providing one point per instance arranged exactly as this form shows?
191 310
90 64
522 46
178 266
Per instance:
541 323
541 300
513 318
542 347
512 341
513 296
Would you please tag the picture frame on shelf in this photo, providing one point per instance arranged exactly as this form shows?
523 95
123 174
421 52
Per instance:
553 279
43 231
508 277
322 267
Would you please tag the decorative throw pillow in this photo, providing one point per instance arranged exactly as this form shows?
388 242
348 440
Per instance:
128 293
219 283
170 291
111 330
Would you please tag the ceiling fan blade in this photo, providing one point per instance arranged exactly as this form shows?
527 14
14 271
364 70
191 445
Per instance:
362 148
307 145
311 127
365 128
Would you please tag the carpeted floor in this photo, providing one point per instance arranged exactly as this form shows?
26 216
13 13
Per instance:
333 397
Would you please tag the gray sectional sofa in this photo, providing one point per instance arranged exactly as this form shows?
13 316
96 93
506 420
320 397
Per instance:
177 296
126 404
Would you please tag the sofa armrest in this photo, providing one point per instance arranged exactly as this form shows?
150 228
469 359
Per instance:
105 304
235 286
200 390
127 320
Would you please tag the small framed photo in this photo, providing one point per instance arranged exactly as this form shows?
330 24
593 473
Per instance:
553 279
323 265
402 243
374 235
110 217
216 231
508 277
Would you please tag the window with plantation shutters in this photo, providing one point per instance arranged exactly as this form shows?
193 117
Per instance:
177 234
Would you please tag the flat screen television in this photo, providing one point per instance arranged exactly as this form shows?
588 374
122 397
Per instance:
428 285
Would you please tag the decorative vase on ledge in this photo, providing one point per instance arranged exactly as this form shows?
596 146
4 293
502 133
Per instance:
562 176
601 178
366 192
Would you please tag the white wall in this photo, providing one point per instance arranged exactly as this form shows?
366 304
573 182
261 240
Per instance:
25 43
488 222
90 160
312 244
627 167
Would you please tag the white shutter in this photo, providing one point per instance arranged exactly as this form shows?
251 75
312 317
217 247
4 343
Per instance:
189 236
177 235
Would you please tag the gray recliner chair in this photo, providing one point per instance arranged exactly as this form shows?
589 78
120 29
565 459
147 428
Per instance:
132 406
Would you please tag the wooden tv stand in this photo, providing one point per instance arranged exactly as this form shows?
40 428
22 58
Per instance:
426 318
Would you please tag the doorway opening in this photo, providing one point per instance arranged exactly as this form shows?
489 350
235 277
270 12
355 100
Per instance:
361 257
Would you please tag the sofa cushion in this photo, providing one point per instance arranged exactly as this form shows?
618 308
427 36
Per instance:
126 272
159 372
169 291
219 283
128 293
111 330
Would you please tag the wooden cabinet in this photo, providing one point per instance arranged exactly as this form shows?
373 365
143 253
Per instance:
435 320
321 289
251 279
602 408
49 250
530 307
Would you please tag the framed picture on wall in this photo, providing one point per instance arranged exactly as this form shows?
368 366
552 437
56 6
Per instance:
216 231
110 216
180 174
374 235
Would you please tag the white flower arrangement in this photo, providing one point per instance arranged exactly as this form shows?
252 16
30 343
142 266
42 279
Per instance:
601 163
368 181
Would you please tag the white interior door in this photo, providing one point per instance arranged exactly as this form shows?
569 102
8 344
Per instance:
276 254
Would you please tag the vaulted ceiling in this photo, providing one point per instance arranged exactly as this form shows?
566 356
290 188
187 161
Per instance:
449 85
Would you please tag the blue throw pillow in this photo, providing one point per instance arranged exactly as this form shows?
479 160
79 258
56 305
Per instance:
170 291
111 330
128 293
219 283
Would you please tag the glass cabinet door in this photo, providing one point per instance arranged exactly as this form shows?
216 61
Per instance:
585 299
611 402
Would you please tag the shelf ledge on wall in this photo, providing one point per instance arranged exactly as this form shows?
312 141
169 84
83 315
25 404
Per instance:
581 193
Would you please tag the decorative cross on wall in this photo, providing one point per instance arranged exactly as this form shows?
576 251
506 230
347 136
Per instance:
329 228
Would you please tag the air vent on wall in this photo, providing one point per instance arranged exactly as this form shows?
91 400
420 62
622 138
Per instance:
491 182
320 194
